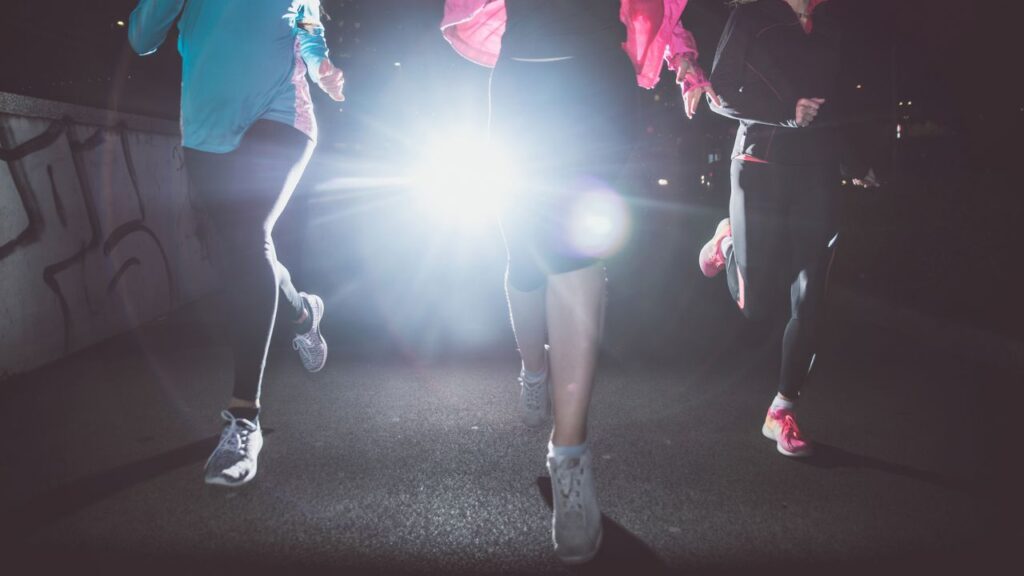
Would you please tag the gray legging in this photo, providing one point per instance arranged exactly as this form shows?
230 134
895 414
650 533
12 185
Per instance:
244 193
783 225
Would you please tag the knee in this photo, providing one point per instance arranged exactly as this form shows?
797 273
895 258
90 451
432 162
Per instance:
269 250
259 251
798 293
806 295
245 258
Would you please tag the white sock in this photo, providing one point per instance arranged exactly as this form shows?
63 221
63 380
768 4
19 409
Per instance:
567 451
725 246
782 403
531 378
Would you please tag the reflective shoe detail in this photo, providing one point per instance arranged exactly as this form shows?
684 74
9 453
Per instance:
712 260
311 346
576 521
780 426
233 462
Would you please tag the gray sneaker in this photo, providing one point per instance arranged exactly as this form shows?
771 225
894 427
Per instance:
311 346
534 402
233 462
576 521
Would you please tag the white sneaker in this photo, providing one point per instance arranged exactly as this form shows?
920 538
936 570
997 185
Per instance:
576 521
534 401
233 462
311 346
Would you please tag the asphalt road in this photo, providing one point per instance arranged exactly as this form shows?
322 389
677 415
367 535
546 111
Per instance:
396 465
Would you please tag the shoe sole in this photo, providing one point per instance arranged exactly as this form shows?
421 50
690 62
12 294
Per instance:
318 315
767 433
223 483
708 247
322 364
574 560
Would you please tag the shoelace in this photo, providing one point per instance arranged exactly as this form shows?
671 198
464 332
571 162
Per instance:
790 430
235 436
533 393
570 485
306 344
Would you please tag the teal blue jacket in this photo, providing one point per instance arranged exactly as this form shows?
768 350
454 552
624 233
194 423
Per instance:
242 61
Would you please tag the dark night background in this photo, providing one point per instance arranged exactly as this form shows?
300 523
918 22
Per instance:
937 238
938 241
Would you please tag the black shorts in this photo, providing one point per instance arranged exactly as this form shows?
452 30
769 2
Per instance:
568 127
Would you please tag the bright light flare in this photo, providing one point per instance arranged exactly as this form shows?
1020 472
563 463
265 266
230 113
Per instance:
599 223
463 182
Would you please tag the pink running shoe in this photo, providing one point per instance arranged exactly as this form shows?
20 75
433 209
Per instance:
712 260
780 425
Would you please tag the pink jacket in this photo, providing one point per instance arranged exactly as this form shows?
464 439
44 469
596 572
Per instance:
654 35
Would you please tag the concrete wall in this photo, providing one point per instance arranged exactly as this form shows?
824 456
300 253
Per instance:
98 233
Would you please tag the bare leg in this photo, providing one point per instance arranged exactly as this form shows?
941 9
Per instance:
527 310
575 304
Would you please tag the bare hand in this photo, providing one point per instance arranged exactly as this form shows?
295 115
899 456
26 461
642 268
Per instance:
868 181
683 67
691 99
807 110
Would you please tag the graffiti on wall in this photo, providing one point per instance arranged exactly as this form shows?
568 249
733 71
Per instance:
83 254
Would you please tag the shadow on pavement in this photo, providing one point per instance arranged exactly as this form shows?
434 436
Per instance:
621 552
52 505
830 457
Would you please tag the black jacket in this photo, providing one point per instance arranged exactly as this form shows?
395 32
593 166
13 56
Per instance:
764 64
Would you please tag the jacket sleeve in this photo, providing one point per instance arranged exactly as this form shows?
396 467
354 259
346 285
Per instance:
149 23
683 44
655 36
312 45
310 33
681 41
474 29
732 68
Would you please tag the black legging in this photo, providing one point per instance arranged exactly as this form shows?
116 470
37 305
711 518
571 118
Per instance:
244 193
568 126
783 229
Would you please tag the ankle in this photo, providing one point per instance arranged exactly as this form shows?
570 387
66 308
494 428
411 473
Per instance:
534 377
535 367
251 414
567 451
304 322
782 402
725 247
240 403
